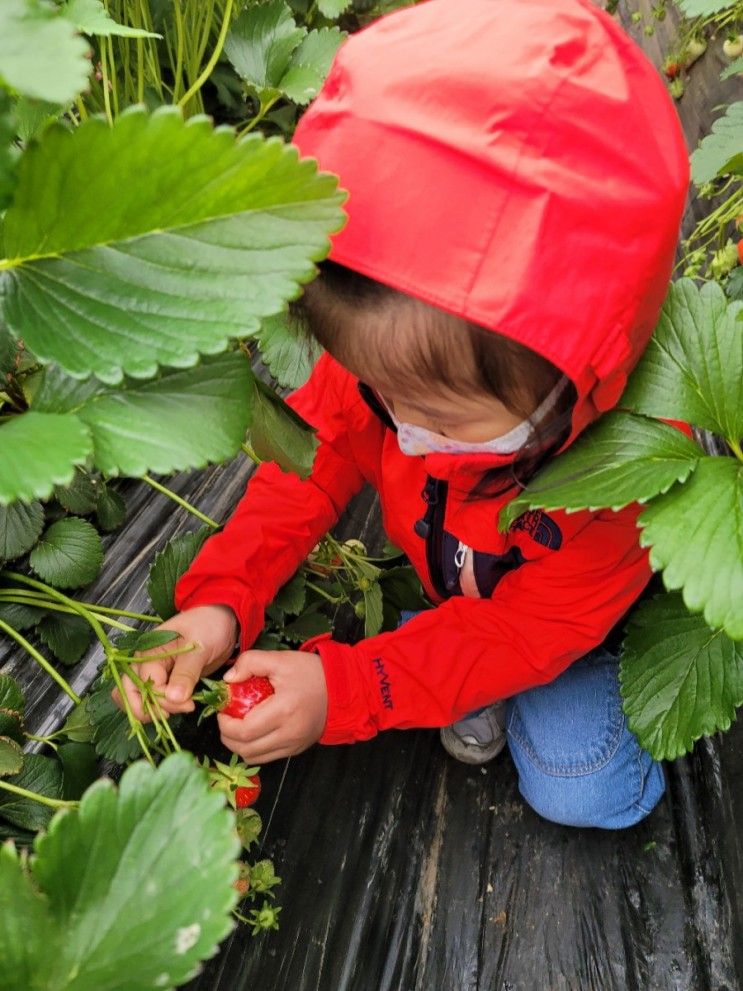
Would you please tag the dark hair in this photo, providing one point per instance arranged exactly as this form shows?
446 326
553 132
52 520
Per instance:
367 325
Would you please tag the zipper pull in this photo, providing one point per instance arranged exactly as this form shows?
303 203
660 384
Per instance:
460 556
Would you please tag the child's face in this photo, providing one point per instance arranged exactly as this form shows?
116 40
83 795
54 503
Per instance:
473 419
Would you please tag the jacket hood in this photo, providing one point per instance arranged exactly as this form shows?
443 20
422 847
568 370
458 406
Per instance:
518 163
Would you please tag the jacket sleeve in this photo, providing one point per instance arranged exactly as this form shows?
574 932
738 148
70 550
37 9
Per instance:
467 652
281 517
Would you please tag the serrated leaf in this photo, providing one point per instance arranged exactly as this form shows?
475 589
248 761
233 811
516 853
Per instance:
310 64
111 728
41 54
20 527
703 8
144 640
719 146
217 234
309 624
40 450
77 727
8 151
24 922
620 459
292 596
42 775
278 434
168 566
32 116
80 496
91 17
110 510
333 8
20 617
261 41
11 757
79 768
373 614
680 680
184 419
695 534
289 357
692 369
67 636
11 724
8 350
102 911
11 695
69 555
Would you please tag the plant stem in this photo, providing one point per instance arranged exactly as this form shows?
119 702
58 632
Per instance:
181 502
209 67
24 598
247 449
53 803
326 595
104 83
41 660
736 448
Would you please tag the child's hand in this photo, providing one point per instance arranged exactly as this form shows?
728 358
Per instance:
213 629
288 722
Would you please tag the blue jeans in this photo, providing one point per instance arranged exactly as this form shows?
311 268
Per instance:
577 762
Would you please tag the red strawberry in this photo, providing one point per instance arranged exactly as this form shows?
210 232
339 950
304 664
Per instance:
248 795
234 698
672 68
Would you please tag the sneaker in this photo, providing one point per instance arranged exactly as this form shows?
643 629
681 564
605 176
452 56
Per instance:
479 737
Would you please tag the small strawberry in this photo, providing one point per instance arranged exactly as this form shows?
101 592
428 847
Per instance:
235 698
247 795
672 67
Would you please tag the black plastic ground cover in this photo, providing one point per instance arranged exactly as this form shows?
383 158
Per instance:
406 871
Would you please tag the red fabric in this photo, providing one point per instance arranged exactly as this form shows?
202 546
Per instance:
521 166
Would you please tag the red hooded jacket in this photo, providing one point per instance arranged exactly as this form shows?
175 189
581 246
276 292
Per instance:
520 164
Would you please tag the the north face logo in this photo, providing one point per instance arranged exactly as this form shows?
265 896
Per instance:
541 528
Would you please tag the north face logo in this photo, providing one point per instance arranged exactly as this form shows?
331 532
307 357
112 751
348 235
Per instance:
541 528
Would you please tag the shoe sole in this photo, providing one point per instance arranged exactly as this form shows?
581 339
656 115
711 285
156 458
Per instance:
468 753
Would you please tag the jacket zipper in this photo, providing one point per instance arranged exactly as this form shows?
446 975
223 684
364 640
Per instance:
431 528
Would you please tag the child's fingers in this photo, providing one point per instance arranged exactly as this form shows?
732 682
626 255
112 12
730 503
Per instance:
262 663
259 722
271 748
183 678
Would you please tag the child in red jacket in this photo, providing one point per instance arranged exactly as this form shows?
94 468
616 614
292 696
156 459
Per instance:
516 177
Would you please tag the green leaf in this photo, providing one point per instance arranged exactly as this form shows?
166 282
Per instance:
20 527
136 640
80 496
26 923
67 636
289 356
278 434
261 41
41 54
309 624
692 369
721 145
215 236
680 680
8 350
695 534
110 510
183 419
621 459
107 870
333 8
292 596
310 64
32 116
733 69
8 150
40 450
11 757
42 775
78 727
168 566
11 695
69 555
79 768
11 724
249 825
373 613
703 8
20 617
111 728
91 17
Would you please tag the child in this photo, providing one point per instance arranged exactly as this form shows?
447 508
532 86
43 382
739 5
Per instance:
516 177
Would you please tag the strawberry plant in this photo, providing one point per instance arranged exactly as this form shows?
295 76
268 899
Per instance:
682 659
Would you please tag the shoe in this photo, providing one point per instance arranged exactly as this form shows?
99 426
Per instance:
479 737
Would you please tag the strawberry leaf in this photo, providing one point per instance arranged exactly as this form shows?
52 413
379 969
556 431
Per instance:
20 617
80 496
278 434
217 234
292 596
288 356
11 756
112 736
310 64
373 613
38 774
11 696
94 917
333 8
11 724
621 459
20 527
40 450
79 768
91 17
168 566
69 554
110 510
692 369
680 680
68 637
695 534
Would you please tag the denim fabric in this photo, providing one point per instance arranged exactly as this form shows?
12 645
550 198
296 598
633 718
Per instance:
577 762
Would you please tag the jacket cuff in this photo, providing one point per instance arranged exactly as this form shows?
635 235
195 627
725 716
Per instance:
349 718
